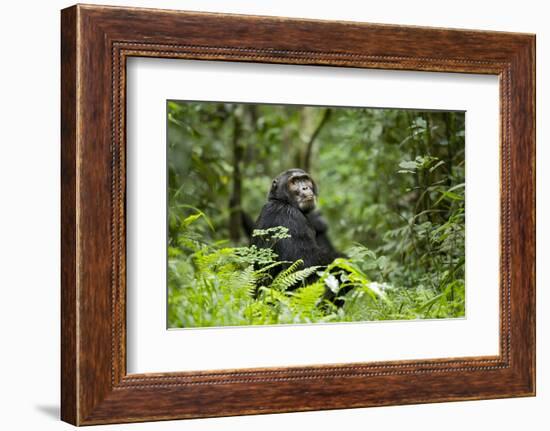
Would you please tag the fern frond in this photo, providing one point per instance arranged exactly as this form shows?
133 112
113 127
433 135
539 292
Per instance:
290 269
246 279
306 298
268 267
291 277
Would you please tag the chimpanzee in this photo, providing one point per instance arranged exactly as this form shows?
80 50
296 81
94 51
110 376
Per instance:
291 203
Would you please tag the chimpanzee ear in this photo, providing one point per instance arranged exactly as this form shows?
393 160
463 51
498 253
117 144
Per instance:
273 191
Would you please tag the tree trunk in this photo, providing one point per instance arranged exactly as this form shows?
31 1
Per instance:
235 215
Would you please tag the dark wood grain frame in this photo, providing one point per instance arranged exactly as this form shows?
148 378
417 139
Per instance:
95 43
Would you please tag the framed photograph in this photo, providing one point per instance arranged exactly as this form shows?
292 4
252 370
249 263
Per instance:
264 214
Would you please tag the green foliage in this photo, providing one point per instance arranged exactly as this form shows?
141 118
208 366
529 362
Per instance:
228 286
392 187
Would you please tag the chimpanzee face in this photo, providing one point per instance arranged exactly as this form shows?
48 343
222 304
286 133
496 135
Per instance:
302 191
295 187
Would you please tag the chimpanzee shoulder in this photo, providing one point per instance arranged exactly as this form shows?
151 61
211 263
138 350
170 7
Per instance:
276 213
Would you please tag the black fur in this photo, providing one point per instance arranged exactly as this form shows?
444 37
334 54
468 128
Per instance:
321 233
308 230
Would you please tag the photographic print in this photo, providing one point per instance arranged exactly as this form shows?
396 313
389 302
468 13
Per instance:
286 214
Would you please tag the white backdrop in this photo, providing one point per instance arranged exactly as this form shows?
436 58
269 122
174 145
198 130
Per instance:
151 348
29 227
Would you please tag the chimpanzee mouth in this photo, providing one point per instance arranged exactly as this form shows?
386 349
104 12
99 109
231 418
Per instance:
307 203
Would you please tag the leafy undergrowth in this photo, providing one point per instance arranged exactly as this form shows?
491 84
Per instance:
213 285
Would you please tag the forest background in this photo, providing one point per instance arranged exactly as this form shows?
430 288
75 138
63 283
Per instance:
392 189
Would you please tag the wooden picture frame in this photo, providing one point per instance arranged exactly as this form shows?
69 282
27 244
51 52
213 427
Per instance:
95 43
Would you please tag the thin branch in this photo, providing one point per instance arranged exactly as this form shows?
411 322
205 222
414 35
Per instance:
309 148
